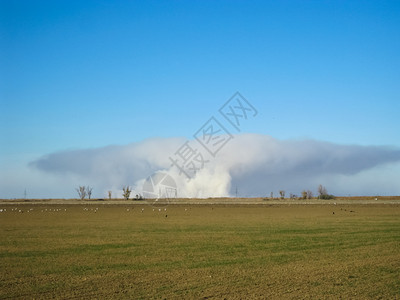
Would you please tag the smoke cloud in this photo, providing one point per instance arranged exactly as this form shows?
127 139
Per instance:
253 164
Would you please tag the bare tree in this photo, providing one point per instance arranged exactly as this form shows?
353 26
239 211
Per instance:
109 194
126 192
81 192
272 195
322 191
282 193
323 194
306 194
89 191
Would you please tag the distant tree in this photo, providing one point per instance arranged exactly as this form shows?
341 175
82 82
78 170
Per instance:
322 191
89 191
109 194
81 192
306 194
126 192
282 193
272 195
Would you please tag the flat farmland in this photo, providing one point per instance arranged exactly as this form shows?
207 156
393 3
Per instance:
274 251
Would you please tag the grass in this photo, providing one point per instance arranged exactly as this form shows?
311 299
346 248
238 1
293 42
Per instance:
205 251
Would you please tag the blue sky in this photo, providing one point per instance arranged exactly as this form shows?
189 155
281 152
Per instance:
87 74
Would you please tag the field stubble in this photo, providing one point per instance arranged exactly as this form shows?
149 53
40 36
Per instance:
200 251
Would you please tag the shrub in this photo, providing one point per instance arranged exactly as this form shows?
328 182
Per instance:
126 192
326 197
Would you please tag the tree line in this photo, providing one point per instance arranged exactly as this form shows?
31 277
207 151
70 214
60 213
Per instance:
86 192
307 194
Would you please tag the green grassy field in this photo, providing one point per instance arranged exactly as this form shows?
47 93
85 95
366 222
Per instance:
200 251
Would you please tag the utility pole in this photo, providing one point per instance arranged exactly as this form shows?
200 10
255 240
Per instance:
25 194
236 192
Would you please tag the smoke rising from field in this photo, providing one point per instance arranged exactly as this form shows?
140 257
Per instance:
254 164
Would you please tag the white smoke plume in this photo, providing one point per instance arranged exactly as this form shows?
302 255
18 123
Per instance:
253 164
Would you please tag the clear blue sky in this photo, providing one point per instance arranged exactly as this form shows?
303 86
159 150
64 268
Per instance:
83 74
